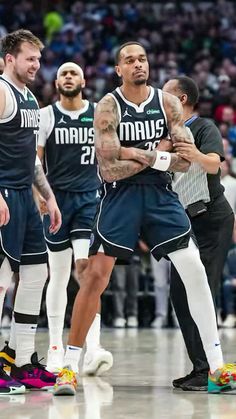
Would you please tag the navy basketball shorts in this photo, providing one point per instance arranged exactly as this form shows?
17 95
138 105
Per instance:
78 210
129 212
22 239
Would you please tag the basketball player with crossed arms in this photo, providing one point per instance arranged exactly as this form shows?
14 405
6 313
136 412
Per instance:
138 201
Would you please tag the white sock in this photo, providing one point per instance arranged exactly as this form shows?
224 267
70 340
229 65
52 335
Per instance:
56 297
93 336
192 272
25 345
12 340
72 357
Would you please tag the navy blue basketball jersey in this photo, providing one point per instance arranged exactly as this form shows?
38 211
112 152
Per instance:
18 141
70 159
142 126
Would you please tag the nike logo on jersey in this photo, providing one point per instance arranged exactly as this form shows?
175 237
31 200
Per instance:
21 100
62 120
126 113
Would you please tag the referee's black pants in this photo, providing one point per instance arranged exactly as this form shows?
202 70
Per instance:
213 231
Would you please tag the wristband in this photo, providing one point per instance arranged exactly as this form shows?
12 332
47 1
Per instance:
162 162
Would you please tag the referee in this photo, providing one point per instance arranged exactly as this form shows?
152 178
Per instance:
211 216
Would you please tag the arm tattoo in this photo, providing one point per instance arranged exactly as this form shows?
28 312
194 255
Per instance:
120 169
174 112
41 183
108 147
178 164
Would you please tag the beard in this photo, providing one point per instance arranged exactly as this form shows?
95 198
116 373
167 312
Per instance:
69 93
139 82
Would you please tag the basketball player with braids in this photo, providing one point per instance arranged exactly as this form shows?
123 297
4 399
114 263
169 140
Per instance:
138 201
66 142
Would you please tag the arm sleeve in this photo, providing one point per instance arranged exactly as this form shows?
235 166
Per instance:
46 125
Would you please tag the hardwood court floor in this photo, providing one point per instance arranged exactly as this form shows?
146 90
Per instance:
138 386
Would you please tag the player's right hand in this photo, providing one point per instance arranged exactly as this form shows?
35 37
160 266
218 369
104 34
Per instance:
4 212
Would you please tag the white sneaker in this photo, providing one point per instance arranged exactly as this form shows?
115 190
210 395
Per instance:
55 360
97 362
132 321
230 321
119 322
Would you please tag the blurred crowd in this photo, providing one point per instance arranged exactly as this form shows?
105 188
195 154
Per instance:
181 37
196 38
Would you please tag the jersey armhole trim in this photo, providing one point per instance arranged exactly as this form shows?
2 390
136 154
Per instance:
9 118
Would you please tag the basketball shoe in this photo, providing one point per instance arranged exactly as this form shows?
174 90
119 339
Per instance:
9 385
66 383
34 375
97 362
7 357
223 379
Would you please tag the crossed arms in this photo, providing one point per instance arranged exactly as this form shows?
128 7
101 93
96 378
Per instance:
117 162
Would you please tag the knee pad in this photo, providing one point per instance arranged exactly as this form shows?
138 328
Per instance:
60 269
30 288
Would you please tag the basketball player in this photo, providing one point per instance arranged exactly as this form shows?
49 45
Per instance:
211 216
23 247
137 201
66 140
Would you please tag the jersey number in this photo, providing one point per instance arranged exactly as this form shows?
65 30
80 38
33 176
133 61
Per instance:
152 145
88 155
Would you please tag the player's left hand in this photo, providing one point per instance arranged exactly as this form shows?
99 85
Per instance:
187 151
54 214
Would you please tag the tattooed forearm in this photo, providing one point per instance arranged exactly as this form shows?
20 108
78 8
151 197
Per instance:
174 112
178 164
41 183
119 169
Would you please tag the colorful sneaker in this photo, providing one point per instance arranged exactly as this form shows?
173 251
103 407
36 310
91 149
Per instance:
66 383
97 362
223 379
7 357
8 385
34 375
55 359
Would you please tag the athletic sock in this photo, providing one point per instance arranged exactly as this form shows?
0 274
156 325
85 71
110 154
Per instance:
25 345
72 357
